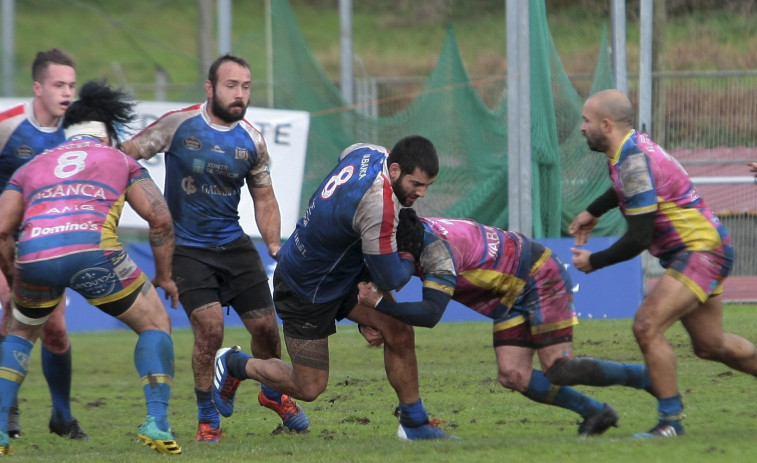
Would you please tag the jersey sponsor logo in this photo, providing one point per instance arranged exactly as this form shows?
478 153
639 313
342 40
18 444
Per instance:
188 185
192 143
218 190
94 281
364 163
24 151
241 154
198 165
63 228
73 189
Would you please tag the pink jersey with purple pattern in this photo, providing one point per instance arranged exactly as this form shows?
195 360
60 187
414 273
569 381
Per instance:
73 195
492 266
647 179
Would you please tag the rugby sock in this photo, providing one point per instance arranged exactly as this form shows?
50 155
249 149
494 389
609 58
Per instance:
543 391
623 374
14 363
57 371
413 415
670 408
270 393
237 364
153 357
206 410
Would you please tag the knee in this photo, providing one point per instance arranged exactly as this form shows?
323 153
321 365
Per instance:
705 351
398 334
55 338
642 330
514 380
310 392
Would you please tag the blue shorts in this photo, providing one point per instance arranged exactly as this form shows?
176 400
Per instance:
101 276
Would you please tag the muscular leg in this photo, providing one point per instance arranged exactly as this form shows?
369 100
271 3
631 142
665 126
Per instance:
668 302
56 363
515 369
710 342
153 357
207 326
264 330
400 361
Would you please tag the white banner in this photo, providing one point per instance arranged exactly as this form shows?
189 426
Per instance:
285 133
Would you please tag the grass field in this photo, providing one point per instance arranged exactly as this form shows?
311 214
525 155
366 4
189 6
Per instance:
353 420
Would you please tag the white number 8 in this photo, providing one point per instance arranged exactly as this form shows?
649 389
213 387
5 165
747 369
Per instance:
70 163
342 177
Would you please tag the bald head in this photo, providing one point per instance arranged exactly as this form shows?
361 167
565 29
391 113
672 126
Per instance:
614 105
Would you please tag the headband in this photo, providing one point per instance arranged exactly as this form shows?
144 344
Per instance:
92 128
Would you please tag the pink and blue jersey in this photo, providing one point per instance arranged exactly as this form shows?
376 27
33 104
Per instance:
73 196
207 166
22 138
647 179
500 274
351 218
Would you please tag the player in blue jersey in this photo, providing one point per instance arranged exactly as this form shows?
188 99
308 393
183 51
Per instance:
27 130
346 235
211 151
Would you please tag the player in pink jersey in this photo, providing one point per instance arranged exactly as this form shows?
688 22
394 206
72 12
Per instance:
67 203
25 131
527 293
665 215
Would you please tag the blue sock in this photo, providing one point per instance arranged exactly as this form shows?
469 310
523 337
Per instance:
541 390
670 408
414 414
206 411
14 361
270 393
237 364
623 374
153 357
57 370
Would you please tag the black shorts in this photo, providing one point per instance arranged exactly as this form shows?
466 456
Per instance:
222 274
305 320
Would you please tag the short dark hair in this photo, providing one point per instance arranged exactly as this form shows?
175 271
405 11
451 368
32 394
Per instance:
44 59
213 71
413 152
100 102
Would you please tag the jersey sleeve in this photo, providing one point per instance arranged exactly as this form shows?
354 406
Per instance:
260 174
638 184
157 137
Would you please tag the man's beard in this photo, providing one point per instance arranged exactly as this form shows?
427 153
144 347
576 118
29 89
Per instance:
225 114
598 144
400 193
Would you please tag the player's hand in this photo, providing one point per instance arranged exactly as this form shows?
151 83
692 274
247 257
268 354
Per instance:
372 335
170 288
582 226
581 260
368 294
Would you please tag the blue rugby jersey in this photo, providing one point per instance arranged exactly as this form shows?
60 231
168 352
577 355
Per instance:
22 138
352 216
206 169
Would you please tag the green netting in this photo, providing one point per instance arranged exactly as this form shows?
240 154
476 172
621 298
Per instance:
471 138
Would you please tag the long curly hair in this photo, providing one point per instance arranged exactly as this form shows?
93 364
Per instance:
100 102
